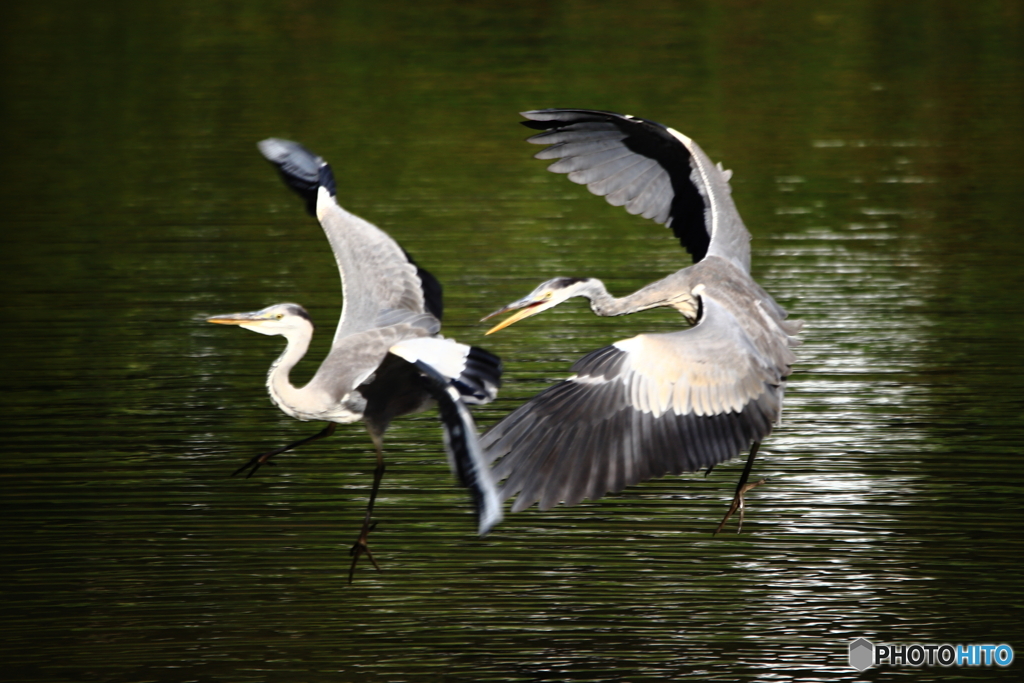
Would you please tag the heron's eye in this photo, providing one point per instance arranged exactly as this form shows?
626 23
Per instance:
279 316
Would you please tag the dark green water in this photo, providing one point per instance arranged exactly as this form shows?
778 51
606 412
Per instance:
877 150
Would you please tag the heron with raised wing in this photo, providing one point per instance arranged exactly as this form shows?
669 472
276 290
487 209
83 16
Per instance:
656 403
387 358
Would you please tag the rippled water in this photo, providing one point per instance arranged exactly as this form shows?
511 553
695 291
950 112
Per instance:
877 156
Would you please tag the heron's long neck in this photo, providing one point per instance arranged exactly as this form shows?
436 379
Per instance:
657 294
282 392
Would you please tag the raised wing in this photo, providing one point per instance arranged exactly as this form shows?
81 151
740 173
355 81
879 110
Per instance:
651 170
378 278
639 409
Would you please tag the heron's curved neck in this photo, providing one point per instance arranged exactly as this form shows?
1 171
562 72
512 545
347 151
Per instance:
283 393
655 295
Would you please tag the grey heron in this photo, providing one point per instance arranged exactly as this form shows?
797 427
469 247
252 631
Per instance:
387 358
656 403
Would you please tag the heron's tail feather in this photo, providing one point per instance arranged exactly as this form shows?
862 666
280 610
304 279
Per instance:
302 170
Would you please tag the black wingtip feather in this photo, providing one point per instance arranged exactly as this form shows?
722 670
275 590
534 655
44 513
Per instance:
481 378
433 292
302 170
327 181
467 459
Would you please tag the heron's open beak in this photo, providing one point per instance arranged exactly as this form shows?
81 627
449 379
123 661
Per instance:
524 310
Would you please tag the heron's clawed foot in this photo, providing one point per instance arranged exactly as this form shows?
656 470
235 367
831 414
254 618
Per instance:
362 547
737 504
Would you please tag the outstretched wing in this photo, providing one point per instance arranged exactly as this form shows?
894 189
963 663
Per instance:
378 278
639 409
651 170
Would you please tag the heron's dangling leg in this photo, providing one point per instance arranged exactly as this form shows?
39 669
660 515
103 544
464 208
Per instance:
262 458
361 546
741 488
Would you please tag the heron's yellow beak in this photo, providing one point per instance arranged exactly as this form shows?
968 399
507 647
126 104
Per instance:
234 318
525 311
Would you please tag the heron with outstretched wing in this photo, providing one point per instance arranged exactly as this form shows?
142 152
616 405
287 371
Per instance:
387 358
656 403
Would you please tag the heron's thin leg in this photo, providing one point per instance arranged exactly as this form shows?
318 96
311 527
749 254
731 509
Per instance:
362 544
262 458
741 488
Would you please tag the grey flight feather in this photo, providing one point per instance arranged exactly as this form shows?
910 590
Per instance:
650 169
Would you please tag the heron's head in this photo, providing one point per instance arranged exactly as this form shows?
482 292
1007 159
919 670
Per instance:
547 295
276 319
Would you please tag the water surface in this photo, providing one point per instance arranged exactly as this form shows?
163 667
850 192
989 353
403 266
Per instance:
876 151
